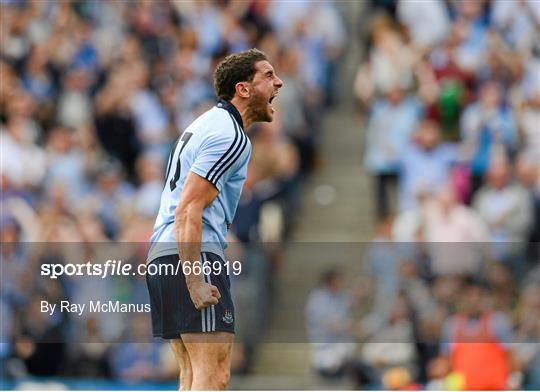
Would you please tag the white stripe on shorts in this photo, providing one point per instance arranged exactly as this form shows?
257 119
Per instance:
211 310
203 318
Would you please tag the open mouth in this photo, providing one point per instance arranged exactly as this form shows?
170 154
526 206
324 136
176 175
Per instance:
270 102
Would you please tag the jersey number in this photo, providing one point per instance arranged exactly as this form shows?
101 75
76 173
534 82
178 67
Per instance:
184 140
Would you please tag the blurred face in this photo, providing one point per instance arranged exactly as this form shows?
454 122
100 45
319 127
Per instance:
148 170
399 311
429 135
395 95
60 140
472 300
535 100
336 283
527 173
139 327
139 75
470 9
498 175
447 197
38 59
490 96
439 368
9 234
21 104
90 227
497 274
264 87
289 62
109 181
531 296
385 227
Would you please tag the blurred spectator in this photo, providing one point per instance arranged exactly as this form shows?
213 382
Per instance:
382 262
528 119
428 23
518 23
470 32
110 195
383 259
37 77
114 122
475 337
389 65
391 345
528 174
425 164
41 343
438 371
507 210
444 85
291 109
150 118
528 334
136 359
150 184
329 326
488 129
74 103
260 213
23 162
7 326
454 233
391 123
90 357
66 164
319 35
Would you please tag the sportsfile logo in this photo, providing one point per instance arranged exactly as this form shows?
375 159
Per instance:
121 268
109 268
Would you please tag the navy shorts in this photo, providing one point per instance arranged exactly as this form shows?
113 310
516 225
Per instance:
173 312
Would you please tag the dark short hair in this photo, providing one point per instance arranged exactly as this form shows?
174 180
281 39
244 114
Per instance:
330 274
470 282
235 68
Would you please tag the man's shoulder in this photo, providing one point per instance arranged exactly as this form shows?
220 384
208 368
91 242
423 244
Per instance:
215 122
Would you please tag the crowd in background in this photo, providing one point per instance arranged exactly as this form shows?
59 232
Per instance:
450 296
93 95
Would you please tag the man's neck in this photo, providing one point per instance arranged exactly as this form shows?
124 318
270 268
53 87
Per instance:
243 109
233 111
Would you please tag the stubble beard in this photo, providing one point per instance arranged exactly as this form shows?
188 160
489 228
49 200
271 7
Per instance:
258 107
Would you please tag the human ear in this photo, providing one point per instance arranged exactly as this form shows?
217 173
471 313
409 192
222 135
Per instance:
243 90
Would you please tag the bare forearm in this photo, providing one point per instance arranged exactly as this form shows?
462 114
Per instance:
188 228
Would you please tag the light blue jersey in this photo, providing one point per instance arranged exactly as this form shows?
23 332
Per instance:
215 147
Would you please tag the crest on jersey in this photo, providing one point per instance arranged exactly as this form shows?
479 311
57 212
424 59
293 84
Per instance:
228 318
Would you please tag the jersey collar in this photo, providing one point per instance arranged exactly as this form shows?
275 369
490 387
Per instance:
223 104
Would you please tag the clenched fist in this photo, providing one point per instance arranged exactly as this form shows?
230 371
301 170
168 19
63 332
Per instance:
203 294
